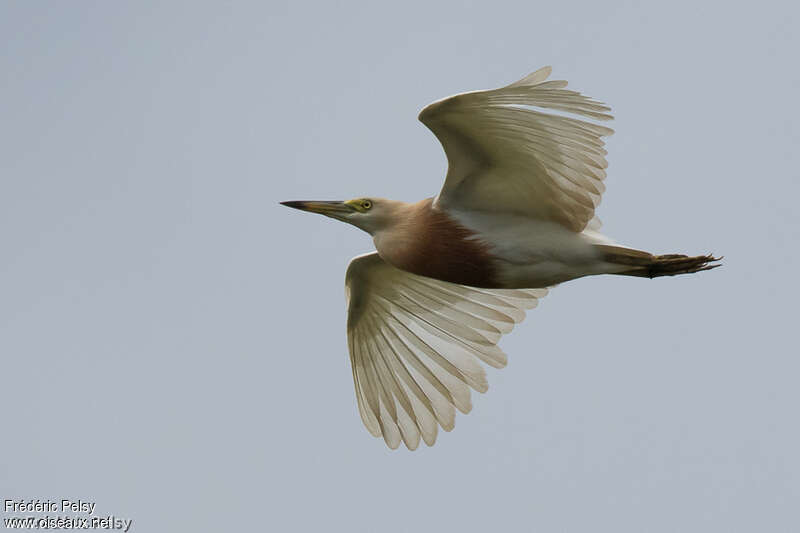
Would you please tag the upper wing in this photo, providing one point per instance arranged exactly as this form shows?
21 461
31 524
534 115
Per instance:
505 156
415 343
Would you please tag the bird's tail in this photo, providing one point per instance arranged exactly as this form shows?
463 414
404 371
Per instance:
629 262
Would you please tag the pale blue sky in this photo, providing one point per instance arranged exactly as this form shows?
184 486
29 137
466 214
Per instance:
172 340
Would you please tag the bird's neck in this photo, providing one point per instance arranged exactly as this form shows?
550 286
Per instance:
408 222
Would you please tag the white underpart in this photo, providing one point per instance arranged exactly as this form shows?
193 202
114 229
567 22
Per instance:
532 253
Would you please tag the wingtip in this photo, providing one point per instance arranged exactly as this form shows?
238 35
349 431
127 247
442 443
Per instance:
534 78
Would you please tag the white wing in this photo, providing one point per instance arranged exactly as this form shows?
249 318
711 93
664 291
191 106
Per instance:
505 156
415 343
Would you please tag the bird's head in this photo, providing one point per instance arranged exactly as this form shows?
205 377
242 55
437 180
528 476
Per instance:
369 214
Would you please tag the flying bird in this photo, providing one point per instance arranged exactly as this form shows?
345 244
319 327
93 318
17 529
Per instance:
452 274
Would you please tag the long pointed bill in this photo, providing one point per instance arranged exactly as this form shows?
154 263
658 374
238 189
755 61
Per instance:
332 209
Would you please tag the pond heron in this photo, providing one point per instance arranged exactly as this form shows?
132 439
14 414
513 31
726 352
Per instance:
453 273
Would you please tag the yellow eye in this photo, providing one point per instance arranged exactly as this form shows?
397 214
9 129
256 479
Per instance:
366 204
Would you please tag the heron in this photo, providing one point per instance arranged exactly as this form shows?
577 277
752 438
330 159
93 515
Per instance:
451 274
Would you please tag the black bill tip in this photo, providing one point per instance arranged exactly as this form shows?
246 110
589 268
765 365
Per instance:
332 209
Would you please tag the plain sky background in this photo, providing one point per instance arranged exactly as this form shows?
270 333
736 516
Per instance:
172 340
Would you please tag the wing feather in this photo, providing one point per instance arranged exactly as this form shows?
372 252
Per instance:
417 416
364 408
397 402
415 345
505 155
434 391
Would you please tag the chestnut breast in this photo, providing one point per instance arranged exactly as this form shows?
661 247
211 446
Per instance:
429 242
